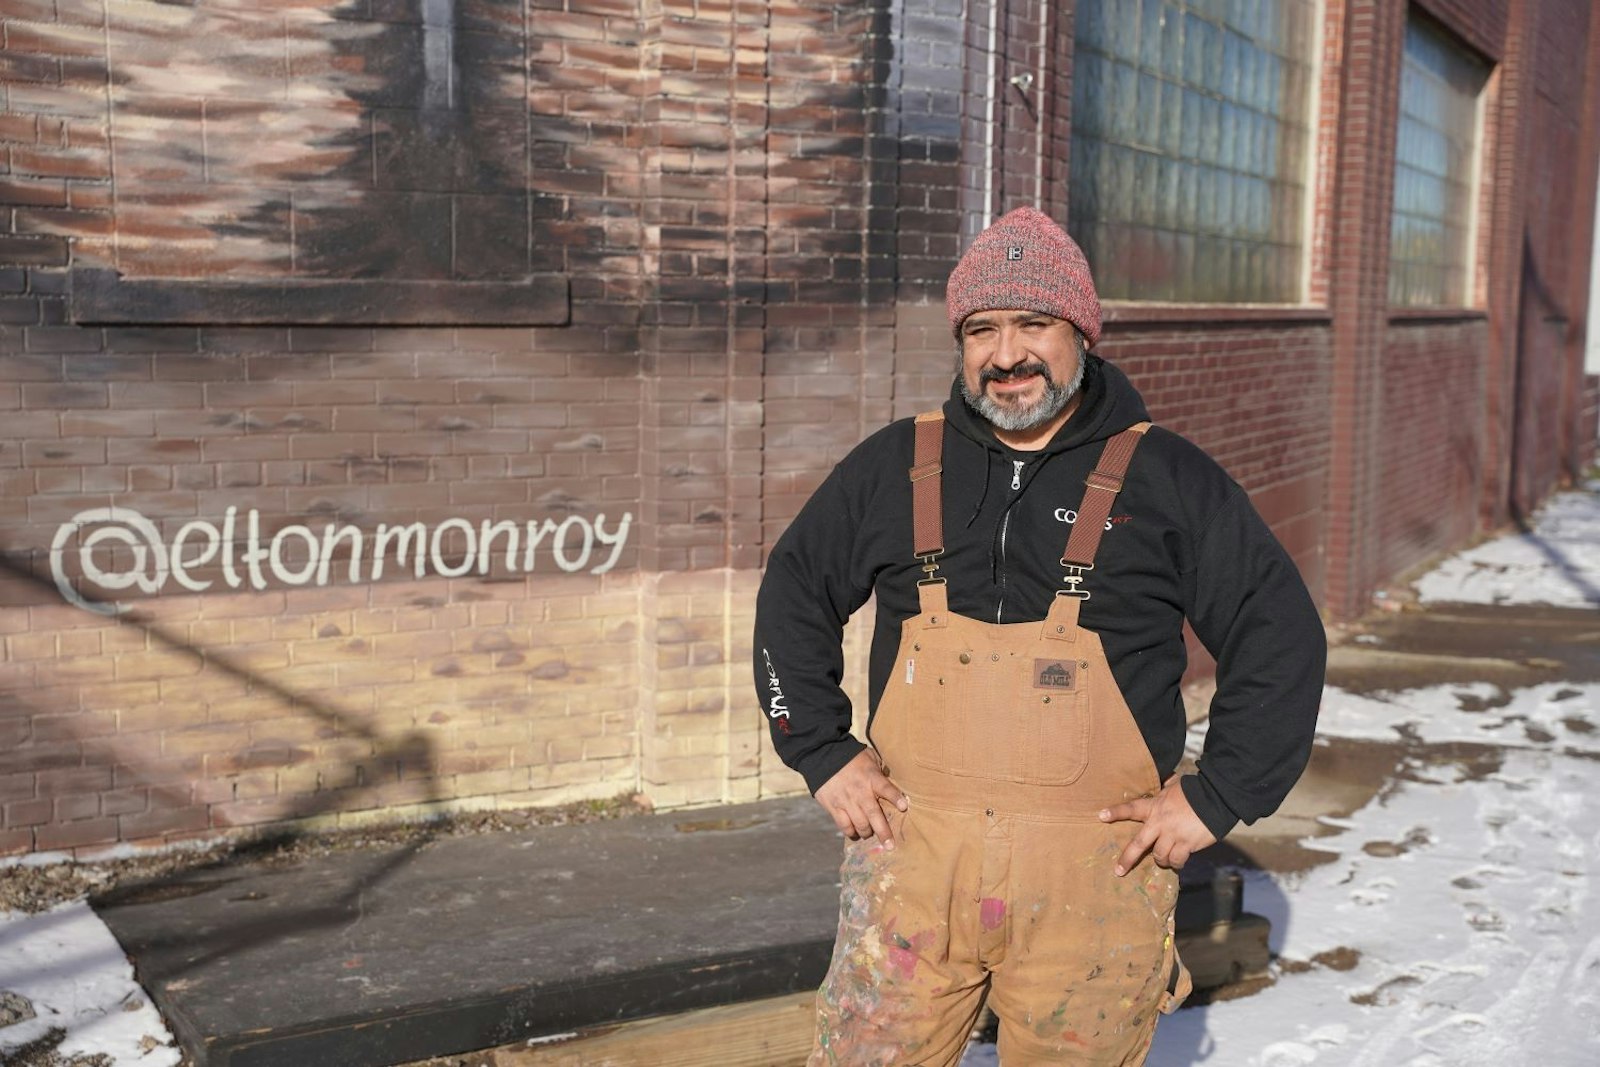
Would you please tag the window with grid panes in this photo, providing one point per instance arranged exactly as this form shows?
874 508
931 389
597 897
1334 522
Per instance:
1190 147
1435 168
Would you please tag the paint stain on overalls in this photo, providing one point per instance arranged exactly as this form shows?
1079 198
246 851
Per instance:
1008 739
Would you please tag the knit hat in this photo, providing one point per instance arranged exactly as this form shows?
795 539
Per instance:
1025 262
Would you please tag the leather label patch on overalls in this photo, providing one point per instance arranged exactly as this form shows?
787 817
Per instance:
1055 674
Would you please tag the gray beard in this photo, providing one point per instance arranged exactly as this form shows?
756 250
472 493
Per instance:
1021 419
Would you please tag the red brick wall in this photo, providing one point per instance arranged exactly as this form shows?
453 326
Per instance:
1557 250
1588 435
1481 24
1361 84
1253 395
1431 422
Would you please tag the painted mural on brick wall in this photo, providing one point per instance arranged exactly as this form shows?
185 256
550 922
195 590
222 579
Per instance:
318 139
270 556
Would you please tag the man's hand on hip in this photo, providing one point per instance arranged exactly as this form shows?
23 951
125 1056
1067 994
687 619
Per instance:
1172 832
855 795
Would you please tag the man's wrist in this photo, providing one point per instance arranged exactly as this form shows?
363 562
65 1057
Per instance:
1207 805
826 762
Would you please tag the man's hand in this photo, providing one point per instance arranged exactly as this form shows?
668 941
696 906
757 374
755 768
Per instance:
854 797
1172 832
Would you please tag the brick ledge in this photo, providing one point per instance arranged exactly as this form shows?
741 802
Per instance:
106 298
1139 313
1419 316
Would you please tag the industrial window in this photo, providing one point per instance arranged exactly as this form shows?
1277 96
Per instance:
1190 147
1435 170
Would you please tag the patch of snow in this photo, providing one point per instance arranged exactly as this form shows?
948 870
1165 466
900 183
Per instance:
1561 716
1477 940
1557 562
68 965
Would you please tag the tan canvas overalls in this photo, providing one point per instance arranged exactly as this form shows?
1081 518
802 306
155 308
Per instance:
1008 739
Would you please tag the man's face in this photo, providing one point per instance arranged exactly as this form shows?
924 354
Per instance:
1019 369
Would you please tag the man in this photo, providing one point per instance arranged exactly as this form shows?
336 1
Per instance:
1015 827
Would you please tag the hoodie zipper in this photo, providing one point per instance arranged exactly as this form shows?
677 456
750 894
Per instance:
1005 526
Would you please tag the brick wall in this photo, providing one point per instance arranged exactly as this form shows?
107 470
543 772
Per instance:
1431 422
562 262
1251 394
1588 435
304 145
1558 214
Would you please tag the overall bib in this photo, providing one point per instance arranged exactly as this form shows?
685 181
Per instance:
1008 739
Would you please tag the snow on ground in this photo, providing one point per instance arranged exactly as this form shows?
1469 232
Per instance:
72 971
1564 715
1558 562
1470 911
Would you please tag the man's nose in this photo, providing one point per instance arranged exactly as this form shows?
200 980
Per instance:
1008 350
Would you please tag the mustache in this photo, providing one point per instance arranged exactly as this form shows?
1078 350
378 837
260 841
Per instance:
1021 370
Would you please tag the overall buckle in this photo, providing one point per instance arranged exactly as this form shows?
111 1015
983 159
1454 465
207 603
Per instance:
1074 579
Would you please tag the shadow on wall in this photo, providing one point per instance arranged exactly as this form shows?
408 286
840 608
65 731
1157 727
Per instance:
409 757
1539 446
1542 333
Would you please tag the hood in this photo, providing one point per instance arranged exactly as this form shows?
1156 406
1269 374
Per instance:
1110 405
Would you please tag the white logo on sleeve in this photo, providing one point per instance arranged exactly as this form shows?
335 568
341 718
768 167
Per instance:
776 708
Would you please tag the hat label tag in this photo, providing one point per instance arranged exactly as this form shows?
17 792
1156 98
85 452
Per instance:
1014 252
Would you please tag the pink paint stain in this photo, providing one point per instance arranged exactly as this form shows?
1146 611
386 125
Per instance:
992 912
903 954
904 962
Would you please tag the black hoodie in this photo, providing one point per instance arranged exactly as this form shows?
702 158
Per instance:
1183 541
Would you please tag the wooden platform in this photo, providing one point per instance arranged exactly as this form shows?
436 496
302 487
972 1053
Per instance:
777 1032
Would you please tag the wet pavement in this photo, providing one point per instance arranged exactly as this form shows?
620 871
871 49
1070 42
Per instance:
394 955
1413 647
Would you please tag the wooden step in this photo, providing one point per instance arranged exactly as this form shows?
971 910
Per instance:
777 1032
762 1033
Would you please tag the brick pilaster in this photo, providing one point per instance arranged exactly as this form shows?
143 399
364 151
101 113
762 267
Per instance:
1361 56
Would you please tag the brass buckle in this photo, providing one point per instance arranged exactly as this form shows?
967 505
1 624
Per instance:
930 568
1074 579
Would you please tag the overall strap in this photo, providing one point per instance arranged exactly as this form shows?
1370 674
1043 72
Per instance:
1103 485
927 515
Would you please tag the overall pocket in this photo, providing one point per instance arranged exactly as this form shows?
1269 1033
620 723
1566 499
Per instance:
1002 715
